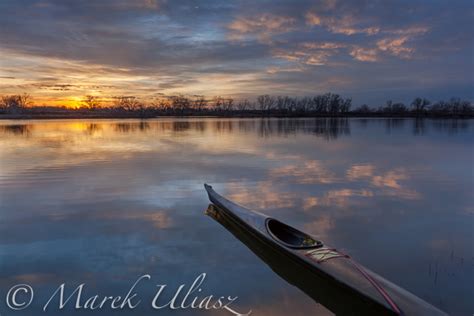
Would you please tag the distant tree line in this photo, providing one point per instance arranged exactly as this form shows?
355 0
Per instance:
421 106
15 103
328 104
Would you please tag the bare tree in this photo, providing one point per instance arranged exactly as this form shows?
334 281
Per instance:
454 106
399 108
265 102
180 103
320 103
388 106
419 105
200 103
91 102
161 104
364 108
15 102
466 107
346 105
243 105
128 103
334 103
302 105
228 104
217 103
283 103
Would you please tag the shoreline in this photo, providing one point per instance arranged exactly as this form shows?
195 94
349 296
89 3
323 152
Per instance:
241 115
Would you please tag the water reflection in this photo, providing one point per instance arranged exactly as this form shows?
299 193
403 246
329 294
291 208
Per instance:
103 201
131 127
394 124
93 128
16 129
328 128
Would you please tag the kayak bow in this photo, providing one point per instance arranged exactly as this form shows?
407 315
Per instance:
323 272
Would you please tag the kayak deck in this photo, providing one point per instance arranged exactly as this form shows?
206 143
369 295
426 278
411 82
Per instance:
291 237
316 260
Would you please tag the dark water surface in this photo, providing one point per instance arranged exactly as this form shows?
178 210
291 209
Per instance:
103 202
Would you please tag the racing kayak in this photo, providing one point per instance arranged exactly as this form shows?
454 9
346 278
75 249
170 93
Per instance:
328 275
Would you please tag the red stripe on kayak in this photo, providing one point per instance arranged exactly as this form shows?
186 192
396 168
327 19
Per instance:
359 268
377 286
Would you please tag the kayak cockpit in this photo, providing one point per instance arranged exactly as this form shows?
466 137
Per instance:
289 236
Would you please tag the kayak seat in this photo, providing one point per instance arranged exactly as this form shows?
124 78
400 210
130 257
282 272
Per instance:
289 236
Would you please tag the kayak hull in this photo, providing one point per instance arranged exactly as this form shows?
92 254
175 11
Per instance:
336 281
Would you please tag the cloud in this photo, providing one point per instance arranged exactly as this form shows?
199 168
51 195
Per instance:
364 54
315 58
310 53
262 26
388 183
346 25
158 219
394 41
396 47
390 179
321 227
412 30
304 172
275 70
269 196
339 198
146 47
313 19
151 4
360 171
323 45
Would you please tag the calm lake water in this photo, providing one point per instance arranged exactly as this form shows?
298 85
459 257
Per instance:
103 202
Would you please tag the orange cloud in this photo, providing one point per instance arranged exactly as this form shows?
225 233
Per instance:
268 196
307 55
364 54
390 179
158 219
139 4
320 227
349 192
346 25
340 198
412 30
360 171
317 58
308 172
263 26
322 45
313 19
396 47
274 70
390 185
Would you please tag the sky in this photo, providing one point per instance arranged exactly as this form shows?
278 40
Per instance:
371 51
